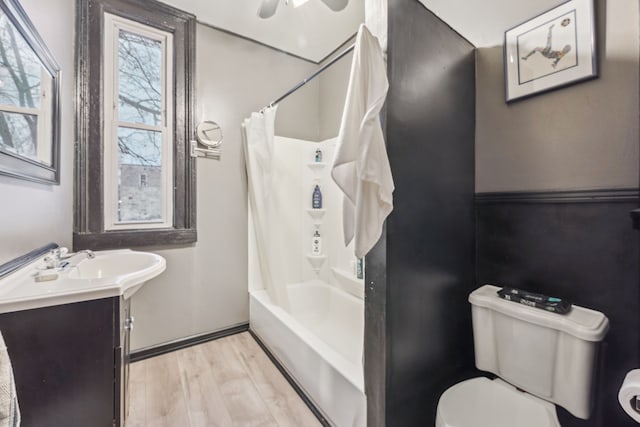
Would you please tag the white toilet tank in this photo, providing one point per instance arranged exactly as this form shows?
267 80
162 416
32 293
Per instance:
545 354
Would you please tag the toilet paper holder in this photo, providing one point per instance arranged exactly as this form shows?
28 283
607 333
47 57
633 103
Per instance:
629 394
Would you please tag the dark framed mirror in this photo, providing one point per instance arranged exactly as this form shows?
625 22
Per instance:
29 100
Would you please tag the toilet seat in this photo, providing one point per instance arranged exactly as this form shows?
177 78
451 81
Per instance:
481 402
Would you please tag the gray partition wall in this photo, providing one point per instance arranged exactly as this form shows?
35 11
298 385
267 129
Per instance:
418 321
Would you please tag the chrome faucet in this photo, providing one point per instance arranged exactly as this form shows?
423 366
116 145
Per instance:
53 259
90 254
57 256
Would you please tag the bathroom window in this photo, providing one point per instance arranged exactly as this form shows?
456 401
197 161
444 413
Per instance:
137 135
135 181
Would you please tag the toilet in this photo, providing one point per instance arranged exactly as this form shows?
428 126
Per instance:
541 359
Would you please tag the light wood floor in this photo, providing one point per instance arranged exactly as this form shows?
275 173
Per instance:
229 382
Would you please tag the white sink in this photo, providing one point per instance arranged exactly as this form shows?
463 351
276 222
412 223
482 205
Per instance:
129 269
108 274
114 264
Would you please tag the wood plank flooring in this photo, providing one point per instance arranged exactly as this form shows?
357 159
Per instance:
229 382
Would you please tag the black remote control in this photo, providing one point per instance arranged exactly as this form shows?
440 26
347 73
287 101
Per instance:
543 302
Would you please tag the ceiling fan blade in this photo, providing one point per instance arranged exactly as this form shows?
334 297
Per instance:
336 5
268 8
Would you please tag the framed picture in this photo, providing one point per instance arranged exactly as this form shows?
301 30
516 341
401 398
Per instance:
552 50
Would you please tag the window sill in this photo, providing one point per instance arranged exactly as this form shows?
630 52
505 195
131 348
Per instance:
133 238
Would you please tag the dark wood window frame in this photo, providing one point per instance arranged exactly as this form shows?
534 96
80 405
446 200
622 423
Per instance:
89 229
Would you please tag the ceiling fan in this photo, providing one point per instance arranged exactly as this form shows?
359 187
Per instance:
268 7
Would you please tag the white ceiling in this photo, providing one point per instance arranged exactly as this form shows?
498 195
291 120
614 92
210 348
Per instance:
483 23
311 31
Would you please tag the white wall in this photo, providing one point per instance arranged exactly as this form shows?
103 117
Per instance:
579 137
35 214
204 288
333 91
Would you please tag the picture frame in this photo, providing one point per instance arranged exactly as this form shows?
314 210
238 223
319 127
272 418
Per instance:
552 50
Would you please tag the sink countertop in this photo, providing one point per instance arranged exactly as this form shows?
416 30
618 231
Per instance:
76 283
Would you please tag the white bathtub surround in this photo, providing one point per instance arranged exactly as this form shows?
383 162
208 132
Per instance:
258 139
360 165
318 336
319 342
293 222
348 282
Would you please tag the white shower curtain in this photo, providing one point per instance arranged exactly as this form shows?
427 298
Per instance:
258 133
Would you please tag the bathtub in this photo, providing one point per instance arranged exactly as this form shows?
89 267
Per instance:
319 343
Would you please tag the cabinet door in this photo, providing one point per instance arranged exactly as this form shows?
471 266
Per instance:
63 363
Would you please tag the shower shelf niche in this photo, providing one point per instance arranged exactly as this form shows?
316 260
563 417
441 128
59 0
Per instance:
316 166
316 214
316 261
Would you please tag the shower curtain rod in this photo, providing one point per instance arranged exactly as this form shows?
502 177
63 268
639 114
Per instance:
312 76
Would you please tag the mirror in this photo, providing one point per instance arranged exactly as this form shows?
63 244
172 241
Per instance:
29 100
209 134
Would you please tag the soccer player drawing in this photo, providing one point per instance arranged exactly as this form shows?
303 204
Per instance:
547 51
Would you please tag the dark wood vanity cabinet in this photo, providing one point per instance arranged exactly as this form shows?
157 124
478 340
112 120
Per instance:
70 362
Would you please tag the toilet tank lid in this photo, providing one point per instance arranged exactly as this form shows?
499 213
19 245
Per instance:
583 323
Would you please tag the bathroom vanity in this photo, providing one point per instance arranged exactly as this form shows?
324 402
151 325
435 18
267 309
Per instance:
68 338
70 362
